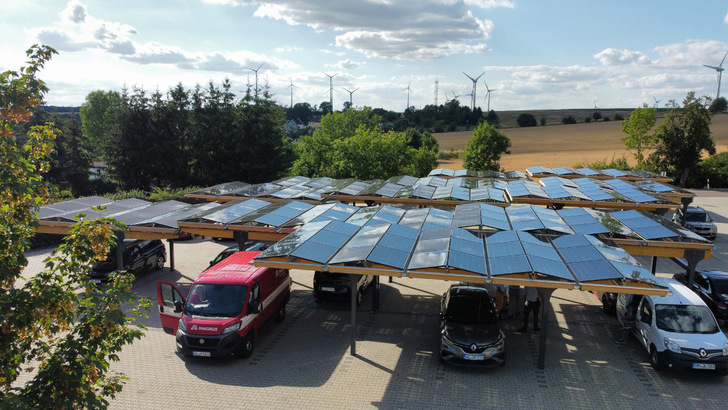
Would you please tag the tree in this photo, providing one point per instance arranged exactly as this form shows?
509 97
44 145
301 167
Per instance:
637 127
484 150
597 115
59 331
96 117
719 105
683 136
526 120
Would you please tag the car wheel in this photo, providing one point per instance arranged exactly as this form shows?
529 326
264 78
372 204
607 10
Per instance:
657 359
359 297
281 314
246 350
160 262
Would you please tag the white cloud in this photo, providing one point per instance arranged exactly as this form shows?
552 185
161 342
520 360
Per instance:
421 30
725 19
613 56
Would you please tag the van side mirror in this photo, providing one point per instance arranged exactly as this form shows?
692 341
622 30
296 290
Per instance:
178 306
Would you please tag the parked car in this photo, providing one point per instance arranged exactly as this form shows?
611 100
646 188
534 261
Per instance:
678 330
138 256
609 302
470 332
698 221
337 286
225 308
712 287
235 248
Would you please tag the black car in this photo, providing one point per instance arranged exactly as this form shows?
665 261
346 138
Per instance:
138 256
337 286
470 327
234 248
712 287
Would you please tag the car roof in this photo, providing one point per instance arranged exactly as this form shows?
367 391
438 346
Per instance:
678 294
715 274
695 209
235 269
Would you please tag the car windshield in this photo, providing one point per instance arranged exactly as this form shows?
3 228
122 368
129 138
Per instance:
698 217
211 300
471 309
685 319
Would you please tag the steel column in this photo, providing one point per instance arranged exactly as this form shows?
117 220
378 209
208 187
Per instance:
545 294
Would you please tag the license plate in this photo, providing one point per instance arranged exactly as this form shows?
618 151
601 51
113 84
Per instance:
473 357
327 289
709 366
201 354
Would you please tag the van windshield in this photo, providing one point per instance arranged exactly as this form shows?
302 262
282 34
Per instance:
474 308
211 300
685 319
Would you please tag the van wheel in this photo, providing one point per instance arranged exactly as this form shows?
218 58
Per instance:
657 359
359 297
246 350
160 262
281 314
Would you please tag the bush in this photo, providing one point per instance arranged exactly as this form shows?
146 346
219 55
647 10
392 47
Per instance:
605 118
618 117
543 121
587 119
615 163
718 105
597 116
569 119
526 120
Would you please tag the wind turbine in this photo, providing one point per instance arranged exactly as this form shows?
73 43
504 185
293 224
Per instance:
719 70
331 90
657 102
409 91
350 94
256 77
291 87
454 96
487 94
475 83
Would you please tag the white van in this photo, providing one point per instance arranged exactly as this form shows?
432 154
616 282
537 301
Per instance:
678 330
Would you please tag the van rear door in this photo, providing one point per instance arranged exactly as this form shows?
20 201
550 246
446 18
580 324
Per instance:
169 299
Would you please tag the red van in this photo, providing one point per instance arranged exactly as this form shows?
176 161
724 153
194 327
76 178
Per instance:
225 307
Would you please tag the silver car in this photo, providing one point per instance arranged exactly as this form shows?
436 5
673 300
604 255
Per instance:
698 221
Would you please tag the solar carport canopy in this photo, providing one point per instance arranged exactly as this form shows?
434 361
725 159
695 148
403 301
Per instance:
446 253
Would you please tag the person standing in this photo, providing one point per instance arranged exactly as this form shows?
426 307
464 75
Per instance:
533 305
515 303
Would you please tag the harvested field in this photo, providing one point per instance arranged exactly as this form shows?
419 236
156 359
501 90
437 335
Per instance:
565 145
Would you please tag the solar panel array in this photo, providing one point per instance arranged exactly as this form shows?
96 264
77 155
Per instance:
446 250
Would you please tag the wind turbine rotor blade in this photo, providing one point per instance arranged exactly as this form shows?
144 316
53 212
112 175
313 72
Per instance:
721 61
713 67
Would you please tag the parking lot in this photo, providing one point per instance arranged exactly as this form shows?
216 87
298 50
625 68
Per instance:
304 362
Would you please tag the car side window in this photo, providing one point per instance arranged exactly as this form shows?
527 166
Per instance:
646 312
255 293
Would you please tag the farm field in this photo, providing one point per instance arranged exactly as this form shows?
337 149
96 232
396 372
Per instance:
564 145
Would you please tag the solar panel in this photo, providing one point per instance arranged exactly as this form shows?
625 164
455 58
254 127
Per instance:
320 182
323 244
360 245
588 172
395 246
424 191
581 221
642 225
389 190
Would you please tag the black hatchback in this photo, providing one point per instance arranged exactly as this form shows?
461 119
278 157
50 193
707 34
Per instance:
469 328
712 287
138 256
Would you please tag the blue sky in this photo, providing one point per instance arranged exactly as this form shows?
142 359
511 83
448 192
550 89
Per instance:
535 54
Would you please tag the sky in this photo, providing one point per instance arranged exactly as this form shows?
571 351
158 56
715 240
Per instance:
532 54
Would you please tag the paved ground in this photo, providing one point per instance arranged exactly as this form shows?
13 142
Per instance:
304 362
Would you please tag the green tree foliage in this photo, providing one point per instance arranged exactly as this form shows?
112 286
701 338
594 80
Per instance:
637 127
597 115
683 136
719 105
714 170
199 137
569 119
526 120
351 144
58 331
484 150
97 114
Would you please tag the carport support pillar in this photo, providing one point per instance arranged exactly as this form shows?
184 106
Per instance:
693 257
119 250
353 282
653 266
545 295
375 294
171 254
